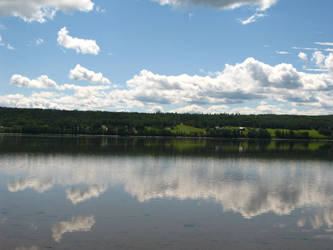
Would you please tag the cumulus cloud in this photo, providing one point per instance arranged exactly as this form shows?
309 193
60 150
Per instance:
192 109
318 58
42 82
77 224
261 6
83 46
41 10
223 4
42 100
321 62
156 109
80 73
248 81
329 62
82 98
303 56
196 109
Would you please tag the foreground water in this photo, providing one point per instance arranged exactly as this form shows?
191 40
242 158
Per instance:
118 193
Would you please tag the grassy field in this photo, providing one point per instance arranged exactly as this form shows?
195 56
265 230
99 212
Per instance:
187 130
314 134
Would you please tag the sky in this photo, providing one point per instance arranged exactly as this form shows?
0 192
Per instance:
195 56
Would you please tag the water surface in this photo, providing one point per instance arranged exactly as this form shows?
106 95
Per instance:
137 193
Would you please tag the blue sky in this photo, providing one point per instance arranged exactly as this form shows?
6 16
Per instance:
204 56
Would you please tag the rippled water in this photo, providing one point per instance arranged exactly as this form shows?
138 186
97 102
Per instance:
118 193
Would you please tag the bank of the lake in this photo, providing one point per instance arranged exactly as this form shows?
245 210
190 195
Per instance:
38 121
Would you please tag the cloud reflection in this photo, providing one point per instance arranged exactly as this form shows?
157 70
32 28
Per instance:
77 224
27 248
320 221
77 195
245 186
39 185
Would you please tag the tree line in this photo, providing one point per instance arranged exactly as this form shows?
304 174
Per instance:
41 121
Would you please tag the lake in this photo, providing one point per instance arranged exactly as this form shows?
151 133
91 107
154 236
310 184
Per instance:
158 193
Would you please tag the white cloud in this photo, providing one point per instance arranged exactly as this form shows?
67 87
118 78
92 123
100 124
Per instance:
261 6
324 43
192 109
80 73
41 10
39 41
156 109
315 69
302 48
318 58
77 224
243 81
10 47
279 52
223 4
196 109
79 45
100 10
321 62
235 85
252 19
313 49
42 82
329 62
303 56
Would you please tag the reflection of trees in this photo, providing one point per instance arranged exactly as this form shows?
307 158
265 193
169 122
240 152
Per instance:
245 186
165 147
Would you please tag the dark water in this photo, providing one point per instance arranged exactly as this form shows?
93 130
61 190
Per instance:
108 193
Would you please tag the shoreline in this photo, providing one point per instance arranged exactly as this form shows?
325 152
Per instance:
165 137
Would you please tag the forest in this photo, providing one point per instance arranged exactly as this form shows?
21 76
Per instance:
43 121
